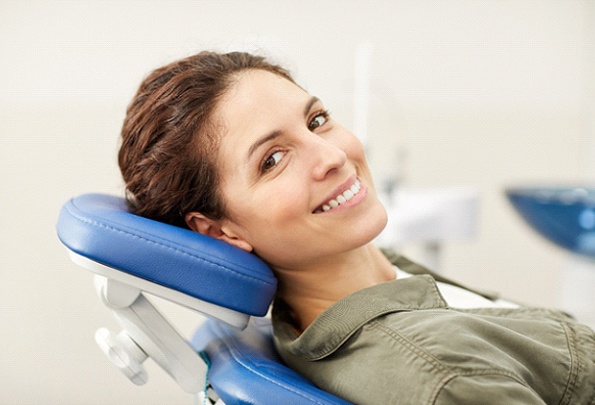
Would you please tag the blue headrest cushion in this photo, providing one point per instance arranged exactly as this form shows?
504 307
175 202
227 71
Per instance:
101 228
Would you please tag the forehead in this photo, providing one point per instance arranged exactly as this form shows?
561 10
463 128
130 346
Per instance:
257 90
257 103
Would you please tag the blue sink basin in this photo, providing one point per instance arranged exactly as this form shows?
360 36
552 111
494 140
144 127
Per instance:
565 216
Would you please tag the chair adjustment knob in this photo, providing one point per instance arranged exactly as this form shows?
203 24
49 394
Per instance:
124 353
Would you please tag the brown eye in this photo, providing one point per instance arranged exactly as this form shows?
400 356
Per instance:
318 121
272 161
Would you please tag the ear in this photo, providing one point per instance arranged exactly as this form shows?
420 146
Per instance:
215 229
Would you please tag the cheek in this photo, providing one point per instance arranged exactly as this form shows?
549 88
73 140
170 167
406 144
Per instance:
283 202
267 209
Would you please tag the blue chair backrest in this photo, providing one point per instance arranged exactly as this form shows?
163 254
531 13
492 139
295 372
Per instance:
245 369
101 228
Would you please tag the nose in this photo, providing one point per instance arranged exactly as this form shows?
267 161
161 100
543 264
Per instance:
326 156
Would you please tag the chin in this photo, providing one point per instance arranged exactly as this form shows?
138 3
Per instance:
373 225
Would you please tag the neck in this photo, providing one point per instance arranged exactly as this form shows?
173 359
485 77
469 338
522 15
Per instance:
312 288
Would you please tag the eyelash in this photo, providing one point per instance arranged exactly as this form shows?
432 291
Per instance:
323 113
263 167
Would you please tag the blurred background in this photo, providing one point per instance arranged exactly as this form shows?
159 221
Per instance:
475 94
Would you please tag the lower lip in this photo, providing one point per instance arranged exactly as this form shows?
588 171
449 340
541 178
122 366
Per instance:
355 200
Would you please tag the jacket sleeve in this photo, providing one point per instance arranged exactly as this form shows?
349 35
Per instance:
487 389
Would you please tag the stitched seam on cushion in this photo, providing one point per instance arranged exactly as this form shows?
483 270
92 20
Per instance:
77 217
277 383
234 354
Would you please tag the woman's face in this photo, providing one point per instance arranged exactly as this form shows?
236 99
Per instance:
296 184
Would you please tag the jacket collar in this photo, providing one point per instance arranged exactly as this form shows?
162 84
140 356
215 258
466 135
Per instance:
341 320
410 267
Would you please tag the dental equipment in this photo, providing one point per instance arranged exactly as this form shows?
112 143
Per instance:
132 256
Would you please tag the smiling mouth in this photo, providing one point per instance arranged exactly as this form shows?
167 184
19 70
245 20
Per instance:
342 198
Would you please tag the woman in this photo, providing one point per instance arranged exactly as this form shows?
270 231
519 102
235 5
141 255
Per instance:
229 146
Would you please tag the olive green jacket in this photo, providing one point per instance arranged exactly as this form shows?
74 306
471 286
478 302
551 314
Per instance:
400 343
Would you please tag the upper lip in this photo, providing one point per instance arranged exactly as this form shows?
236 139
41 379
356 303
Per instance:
337 191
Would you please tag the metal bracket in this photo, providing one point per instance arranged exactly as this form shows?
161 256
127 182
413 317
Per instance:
146 334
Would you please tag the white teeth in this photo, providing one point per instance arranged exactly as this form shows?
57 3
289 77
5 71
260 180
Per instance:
343 198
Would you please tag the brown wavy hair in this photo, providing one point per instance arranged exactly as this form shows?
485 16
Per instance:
170 138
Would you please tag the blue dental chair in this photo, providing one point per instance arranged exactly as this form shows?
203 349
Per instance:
231 358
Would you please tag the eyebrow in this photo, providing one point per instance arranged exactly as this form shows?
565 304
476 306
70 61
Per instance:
275 134
309 105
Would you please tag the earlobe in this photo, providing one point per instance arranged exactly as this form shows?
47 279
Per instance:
237 242
207 226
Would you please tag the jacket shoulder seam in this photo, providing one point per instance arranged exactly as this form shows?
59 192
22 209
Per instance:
458 374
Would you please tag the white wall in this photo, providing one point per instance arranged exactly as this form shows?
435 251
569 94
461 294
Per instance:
484 94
